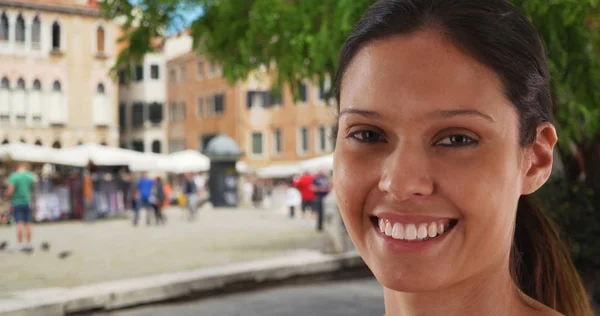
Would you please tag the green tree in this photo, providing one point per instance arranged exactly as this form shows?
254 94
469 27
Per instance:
302 38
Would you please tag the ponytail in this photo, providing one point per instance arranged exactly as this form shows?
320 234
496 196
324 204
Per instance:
541 263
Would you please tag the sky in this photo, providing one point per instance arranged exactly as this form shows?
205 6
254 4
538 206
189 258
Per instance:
188 15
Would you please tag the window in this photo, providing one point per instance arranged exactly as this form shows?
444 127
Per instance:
20 30
4 27
182 74
38 143
36 30
257 143
172 75
5 84
302 144
137 145
56 86
219 103
154 74
322 145
20 84
139 72
277 141
122 116
210 105
177 111
37 85
155 113
265 99
205 139
121 77
200 107
56 36
137 115
302 92
100 89
176 145
211 68
156 147
100 40
200 68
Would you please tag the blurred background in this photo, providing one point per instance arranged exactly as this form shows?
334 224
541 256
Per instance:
224 112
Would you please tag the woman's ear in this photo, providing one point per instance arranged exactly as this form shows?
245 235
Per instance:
538 160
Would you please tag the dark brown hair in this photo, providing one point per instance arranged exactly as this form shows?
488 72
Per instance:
500 37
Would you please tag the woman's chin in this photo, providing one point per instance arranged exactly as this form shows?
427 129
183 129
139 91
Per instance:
409 281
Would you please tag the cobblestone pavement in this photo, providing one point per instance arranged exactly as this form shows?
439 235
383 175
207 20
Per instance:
346 298
114 249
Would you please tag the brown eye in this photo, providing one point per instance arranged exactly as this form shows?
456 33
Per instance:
456 141
367 136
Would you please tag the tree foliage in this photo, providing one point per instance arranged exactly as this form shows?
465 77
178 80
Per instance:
302 39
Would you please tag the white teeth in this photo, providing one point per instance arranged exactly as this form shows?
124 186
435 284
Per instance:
381 225
410 232
422 232
440 228
398 231
432 230
388 229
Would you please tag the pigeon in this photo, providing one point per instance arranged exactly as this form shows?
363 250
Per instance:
64 254
45 246
3 245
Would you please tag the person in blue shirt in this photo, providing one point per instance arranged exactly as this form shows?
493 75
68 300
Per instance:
142 196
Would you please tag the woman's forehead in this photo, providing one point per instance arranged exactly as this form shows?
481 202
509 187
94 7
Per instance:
418 70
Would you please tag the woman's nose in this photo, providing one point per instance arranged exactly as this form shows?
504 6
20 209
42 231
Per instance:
407 173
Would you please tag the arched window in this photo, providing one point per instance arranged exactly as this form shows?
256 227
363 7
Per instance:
56 86
100 40
56 36
37 85
5 141
56 144
100 89
38 142
22 140
103 143
20 29
4 28
4 84
156 147
36 33
20 84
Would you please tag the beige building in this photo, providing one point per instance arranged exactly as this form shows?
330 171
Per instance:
55 87
268 129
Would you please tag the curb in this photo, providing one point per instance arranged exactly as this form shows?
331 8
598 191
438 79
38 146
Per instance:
181 285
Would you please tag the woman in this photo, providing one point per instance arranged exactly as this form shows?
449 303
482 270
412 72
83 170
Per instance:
444 116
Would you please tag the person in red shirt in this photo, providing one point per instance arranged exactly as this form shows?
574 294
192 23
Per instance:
304 185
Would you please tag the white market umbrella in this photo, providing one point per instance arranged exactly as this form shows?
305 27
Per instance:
276 171
324 163
186 161
103 155
38 154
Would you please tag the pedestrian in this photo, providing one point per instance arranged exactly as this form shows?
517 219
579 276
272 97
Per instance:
304 185
158 199
293 198
21 186
142 196
257 193
321 188
190 190
445 132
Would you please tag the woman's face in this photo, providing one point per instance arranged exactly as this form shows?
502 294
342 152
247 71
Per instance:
427 152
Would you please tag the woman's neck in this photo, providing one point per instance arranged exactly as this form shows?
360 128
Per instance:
489 293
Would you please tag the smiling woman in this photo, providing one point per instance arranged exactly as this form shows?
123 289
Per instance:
445 117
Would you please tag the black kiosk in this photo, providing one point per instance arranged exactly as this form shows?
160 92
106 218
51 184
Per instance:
223 178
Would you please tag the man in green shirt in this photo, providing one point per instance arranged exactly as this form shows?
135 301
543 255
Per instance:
20 188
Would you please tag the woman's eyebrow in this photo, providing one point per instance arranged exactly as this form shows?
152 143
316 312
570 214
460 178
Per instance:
460 112
439 114
365 113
